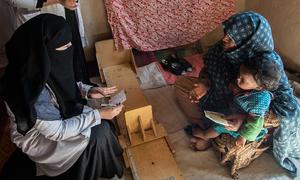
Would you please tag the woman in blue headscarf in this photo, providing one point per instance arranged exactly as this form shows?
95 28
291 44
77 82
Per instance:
247 35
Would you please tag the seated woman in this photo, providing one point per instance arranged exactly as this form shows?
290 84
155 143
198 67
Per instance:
49 121
252 97
247 34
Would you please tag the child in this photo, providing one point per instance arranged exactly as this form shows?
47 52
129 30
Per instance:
252 97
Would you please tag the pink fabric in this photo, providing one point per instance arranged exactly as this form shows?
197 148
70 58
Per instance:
149 25
197 62
143 58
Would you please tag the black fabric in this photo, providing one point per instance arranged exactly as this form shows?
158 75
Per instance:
40 3
99 159
18 166
80 67
33 62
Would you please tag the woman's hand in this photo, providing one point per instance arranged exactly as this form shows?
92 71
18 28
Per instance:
235 121
110 112
99 92
198 92
68 4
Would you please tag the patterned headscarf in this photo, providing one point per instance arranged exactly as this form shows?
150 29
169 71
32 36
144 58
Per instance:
253 37
251 33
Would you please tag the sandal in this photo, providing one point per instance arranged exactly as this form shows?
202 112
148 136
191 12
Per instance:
173 66
185 64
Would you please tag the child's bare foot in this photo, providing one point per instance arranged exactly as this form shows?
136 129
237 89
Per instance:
199 133
199 144
240 141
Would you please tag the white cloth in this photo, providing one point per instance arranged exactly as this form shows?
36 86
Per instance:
16 12
150 76
55 144
84 40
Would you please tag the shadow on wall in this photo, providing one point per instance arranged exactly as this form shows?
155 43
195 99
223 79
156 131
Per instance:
95 24
284 18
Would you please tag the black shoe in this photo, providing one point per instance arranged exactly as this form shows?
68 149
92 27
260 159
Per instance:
173 66
186 65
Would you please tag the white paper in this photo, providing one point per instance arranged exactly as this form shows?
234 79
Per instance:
119 98
216 117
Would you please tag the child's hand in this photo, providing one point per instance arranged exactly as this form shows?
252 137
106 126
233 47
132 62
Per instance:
240 141
198 92
235 121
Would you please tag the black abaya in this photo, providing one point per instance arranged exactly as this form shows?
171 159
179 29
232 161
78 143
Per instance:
79 65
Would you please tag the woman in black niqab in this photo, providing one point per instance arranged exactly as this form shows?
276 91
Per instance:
33 62
40 54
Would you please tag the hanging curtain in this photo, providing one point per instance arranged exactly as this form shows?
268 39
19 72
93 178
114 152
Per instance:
149 25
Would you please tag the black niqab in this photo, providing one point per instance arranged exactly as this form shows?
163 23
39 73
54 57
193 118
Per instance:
34 61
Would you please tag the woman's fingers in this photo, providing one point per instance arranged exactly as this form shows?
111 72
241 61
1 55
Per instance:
113 88
193 97
197 92
110 90
111 112
118 109
106 91
235 116
234 122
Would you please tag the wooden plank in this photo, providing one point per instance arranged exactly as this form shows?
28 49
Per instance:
131 118
153 127
126 160
136 138
142 131
132 62
153 160
107 55
171 147
133 168
129 133
148 156
124 78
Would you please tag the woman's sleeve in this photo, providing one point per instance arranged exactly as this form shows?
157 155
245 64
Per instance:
284 103
27 4
84 89
60 129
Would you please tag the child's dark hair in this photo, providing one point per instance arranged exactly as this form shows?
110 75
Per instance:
265 72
